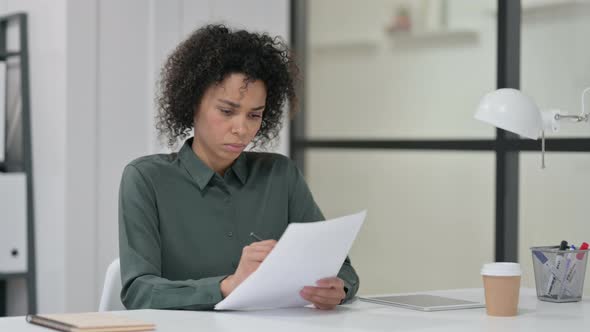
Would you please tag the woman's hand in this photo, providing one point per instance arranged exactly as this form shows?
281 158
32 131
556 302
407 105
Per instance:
326 295
252 256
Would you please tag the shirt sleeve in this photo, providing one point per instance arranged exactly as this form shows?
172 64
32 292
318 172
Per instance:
140 255
303 208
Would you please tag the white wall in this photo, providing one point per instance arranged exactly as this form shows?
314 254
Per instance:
81 147
124 110
94 64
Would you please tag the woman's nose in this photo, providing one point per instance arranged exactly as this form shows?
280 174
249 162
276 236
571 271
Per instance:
239 126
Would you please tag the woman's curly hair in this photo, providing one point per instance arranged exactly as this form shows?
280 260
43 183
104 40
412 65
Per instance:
207 57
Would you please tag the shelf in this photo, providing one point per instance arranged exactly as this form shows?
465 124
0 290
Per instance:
553 5
23 164
9 54
400 39
6 276
551 8
345 45
430 38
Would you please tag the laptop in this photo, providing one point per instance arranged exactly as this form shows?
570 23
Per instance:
423 302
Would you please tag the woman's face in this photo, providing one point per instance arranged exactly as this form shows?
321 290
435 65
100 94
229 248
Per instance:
227 120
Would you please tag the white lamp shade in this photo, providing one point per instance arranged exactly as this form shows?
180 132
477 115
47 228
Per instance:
511 110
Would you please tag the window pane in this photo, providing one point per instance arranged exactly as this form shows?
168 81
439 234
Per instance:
429 214
556 58
363 81
553 204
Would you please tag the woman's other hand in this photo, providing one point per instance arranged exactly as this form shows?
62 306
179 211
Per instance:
326 295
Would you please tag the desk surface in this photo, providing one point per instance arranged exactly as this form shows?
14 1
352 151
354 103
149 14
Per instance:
533 315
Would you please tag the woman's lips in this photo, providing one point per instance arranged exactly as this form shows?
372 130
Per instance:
235 147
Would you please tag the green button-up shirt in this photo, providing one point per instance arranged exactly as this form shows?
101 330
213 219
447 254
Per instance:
182 226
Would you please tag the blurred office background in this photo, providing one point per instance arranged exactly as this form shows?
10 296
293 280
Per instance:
374 71
431 217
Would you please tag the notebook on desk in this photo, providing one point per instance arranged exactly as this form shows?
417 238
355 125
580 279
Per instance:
90 322
423 302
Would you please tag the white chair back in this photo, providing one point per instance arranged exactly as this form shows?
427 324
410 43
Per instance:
111 292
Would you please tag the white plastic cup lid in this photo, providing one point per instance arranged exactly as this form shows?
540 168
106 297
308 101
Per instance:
501 269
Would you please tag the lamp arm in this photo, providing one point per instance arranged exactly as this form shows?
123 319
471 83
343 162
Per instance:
583 117
577 118
550 122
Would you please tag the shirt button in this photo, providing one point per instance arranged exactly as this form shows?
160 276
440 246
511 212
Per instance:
230 234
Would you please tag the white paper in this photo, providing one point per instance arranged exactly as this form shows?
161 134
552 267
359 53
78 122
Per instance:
306 253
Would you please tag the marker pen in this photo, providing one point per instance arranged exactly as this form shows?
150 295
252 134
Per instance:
570 278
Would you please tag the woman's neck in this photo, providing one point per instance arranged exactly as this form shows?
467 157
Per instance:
201 152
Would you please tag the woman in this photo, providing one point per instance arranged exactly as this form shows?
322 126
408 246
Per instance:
185 218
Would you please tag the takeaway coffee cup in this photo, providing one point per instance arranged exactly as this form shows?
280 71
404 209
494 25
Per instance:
501 283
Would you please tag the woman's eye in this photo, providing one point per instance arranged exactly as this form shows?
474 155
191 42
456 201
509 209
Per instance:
226 112
255 115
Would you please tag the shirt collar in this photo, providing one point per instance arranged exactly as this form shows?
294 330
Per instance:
201 173
240 168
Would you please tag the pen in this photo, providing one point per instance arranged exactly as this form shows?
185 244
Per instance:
256 237
558 262
568 263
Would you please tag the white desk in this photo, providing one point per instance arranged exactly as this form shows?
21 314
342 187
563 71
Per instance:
533 315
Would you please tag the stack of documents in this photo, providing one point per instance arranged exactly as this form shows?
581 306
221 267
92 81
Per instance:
306 253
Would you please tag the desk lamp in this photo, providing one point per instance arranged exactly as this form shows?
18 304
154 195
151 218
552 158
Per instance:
511 110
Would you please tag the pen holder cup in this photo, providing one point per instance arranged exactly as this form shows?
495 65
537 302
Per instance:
559 274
